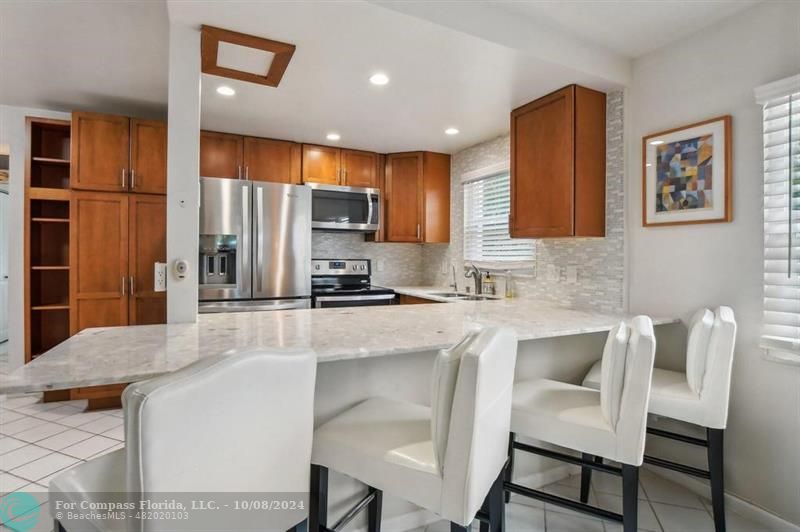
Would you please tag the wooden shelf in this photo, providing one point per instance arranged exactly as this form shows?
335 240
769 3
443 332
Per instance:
49 268
51 220
50 307
50 160
54 194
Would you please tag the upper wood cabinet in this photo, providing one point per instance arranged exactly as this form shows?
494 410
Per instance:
221 155
277 161
100 152
417 197
321 164
558 160
359 168
115 154
148 156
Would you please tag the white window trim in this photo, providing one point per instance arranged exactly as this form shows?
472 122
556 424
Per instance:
784 351
494 267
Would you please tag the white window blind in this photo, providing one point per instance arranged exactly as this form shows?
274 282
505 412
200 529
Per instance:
486 206
781 327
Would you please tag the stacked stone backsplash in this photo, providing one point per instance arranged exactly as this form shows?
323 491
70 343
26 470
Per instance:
599 261
402 262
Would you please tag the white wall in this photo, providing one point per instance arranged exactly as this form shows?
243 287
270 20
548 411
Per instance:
12 132
673 271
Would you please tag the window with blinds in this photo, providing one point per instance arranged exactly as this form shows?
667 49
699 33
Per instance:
781 327
486 207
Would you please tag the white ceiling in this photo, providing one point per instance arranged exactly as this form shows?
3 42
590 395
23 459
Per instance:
461 63
439 78
101 56
628 27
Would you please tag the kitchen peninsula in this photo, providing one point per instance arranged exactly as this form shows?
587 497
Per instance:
114 355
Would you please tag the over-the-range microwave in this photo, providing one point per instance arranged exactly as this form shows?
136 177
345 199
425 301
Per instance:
337 208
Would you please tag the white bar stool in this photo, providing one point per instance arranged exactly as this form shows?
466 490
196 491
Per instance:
699 396
609 423
447 459
228 423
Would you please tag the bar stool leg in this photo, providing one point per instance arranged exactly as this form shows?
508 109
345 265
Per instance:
374 511
630 498
458 528
509 471
715 469
318 505
586 478
497 507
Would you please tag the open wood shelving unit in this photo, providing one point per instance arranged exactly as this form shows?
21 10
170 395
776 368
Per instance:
47 219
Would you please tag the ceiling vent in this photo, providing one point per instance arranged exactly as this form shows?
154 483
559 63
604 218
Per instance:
234 55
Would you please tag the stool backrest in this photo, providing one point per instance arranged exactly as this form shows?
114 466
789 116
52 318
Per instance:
715 393
635 399
228 423
615 358
697 351
480 419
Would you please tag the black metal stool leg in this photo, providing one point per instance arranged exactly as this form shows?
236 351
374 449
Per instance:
509 471
630 498
715 469
586 478
497 506
458 528
374 511
318 505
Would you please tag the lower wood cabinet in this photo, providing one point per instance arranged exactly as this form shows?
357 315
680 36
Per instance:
417 197
114 241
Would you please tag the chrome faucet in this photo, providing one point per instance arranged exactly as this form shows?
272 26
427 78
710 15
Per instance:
454 286
475 273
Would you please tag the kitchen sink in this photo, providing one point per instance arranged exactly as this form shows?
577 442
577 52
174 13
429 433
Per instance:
462 296
446 294
476 298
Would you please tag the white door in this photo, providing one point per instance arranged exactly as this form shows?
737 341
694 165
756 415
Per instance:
3 266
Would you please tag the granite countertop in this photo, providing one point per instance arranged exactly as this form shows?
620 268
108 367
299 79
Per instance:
113 355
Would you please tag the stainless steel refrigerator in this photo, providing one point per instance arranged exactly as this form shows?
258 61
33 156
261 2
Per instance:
255 246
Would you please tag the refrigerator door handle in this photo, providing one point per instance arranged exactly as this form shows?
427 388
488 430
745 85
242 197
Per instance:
259 192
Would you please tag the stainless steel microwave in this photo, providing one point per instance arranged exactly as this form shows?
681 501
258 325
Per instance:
335 208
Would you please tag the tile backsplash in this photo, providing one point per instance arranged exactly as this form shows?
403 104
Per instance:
599 261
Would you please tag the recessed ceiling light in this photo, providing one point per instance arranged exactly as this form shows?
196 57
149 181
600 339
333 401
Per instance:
656 142
379 78
225 90
333 136
451 131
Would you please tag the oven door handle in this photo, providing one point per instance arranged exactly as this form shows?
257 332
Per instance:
375 297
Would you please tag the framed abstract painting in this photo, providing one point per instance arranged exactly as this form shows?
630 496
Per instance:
686 174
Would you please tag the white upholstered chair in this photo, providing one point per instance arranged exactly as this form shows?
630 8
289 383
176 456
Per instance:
700 396
447 458
228 423
609 423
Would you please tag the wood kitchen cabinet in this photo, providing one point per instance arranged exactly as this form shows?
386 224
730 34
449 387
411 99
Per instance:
417 197
277 161
253 158
115 239
321 164
558 157
359 168
112 153
221 155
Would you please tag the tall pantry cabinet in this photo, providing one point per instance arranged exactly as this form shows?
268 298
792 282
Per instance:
118 229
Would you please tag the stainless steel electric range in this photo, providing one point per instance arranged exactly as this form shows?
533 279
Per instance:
346 283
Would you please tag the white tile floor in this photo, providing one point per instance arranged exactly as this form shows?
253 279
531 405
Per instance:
39 440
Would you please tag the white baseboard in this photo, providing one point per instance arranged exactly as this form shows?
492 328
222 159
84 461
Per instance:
742 507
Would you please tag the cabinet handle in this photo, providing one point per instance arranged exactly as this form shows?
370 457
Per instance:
238 172
133 179
247 173
123 178
124 283
132 285
418 236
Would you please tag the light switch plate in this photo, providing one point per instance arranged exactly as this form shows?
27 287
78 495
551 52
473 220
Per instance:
160 276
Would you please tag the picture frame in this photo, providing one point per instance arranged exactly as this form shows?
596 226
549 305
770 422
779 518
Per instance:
686 174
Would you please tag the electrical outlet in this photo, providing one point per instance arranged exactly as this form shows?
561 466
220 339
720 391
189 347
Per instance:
572 274
160 270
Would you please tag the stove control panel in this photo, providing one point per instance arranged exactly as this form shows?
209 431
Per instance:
340 267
